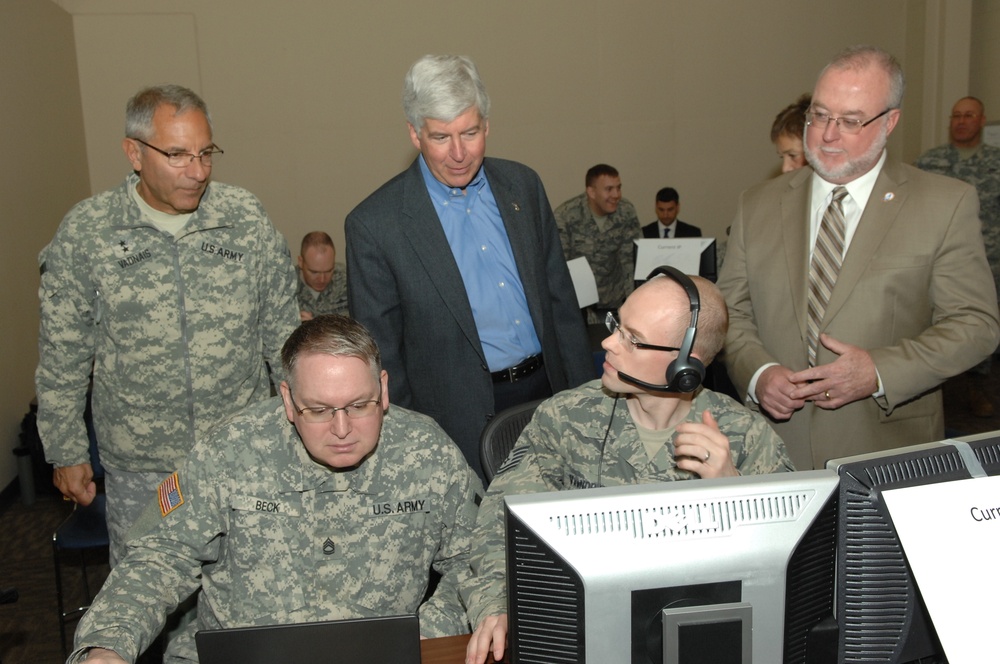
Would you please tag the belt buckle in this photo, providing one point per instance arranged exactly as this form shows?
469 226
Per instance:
519 371
523 369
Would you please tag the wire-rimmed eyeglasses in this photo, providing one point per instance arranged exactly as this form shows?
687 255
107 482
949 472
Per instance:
185 159
356 411
628 340
847 125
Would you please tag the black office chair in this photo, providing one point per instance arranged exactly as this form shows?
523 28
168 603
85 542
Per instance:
499 436
81 541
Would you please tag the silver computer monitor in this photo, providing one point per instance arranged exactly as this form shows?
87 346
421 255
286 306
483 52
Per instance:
731 570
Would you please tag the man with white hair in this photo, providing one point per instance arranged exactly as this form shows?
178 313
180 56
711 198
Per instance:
456 268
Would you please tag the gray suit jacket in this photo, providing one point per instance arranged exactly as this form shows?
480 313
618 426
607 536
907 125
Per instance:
405 286
915 290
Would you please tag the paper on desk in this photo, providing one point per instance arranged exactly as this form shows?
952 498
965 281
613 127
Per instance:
950 533
682 253
583 281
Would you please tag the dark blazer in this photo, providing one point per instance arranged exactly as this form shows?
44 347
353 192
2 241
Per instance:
405 287
914 290
683 230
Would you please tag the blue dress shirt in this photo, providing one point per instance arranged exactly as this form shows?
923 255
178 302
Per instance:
478 239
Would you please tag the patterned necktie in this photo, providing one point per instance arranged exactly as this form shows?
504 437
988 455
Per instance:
825 266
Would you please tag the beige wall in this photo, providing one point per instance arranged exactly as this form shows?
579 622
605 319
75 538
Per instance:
305 93
959 55
984 68
44 172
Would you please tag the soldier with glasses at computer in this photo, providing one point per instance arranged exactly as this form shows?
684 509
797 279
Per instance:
321 504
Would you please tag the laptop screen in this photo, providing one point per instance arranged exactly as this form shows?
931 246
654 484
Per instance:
388 640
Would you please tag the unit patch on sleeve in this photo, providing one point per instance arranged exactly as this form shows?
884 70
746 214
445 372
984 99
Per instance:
170 495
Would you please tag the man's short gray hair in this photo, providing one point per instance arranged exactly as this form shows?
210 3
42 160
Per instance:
442 87
141 107
334 335
862 57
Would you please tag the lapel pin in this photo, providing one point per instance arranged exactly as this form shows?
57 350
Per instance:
888 197
517 208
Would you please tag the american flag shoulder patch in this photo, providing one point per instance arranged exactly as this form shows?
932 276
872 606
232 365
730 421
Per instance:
170 495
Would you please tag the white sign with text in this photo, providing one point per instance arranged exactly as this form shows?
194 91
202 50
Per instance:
950 533
683 253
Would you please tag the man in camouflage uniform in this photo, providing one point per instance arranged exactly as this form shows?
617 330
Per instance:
175 291
320 504
967 158
600 225
322 280
613 432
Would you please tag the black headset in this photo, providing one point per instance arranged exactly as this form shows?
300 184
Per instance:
685 373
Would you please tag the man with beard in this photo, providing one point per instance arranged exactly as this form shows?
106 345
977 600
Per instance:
858 286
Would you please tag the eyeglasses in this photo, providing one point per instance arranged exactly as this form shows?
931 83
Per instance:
968 115
846 125
629 341
185 159
356 411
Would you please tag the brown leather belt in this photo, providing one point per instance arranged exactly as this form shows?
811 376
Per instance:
519 371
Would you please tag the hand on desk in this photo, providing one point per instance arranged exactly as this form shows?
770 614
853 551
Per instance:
491 631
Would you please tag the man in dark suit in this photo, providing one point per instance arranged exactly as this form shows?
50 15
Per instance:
858 286
668 206
456 268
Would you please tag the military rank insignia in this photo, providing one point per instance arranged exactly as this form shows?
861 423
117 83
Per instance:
170 495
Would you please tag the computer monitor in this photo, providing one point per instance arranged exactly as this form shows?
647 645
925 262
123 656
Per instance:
880 614
372 640
729 571
686 254
708 267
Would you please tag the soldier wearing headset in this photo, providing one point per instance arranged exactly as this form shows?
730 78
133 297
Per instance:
646 420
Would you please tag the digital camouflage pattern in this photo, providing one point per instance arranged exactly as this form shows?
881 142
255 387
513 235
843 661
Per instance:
561 449
332 299
611 254
982 171
178 329
279 538
127 496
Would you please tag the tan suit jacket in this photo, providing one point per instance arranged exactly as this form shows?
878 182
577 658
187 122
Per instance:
915 290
